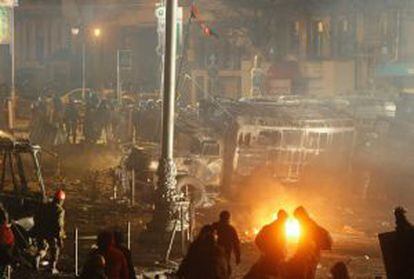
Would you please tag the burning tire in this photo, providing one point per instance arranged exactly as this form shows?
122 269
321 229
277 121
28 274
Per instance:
193 189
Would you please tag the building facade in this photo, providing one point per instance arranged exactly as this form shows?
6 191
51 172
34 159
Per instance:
321 48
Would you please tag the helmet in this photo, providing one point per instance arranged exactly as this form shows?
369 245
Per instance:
60 195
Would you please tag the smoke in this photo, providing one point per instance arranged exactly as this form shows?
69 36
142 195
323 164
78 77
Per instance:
330 196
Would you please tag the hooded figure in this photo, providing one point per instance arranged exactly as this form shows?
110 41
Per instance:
119 243
116 264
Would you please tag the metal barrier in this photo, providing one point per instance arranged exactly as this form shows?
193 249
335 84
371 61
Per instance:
9 271
185 224
78 238
130 180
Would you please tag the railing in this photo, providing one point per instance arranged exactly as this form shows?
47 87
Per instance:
183 224
129 176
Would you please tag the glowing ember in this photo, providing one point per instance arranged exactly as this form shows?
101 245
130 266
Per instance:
292 229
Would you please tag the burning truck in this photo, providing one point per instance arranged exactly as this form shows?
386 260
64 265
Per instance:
226 141
285 137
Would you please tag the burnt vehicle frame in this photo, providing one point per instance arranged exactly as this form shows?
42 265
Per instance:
19 195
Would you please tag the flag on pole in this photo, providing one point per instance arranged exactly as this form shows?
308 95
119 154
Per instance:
196 15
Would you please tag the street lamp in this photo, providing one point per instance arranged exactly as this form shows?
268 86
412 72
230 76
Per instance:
168 203
97 32
75 31
80 31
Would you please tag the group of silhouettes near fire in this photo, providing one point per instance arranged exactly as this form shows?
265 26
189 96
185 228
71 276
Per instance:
210 254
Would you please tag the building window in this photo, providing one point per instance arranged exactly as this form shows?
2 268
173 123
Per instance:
40 48
318 39
345 39
294 29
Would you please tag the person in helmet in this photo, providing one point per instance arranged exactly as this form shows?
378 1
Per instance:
49 230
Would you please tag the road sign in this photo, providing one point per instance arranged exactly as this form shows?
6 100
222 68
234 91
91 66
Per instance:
5 25
9 3
160 15
125 59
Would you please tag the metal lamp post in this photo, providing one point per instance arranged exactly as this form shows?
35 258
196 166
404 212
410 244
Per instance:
167 201
81 31
12 104
167 198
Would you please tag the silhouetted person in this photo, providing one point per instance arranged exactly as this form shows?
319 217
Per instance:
227 237
7 241
339 271
402 224
89 125
271 241
71 119
116 266
103 115
119 243
205 259
57 112
49 230
312 241
39 109
94 267
405 244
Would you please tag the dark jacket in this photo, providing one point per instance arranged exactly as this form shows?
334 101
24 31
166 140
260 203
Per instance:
116 264
50 221
204 260
271 241
228 239
94 267
128 257
6 244
71 113
313 240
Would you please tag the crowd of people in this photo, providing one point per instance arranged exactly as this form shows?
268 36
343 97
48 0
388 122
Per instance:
91 119
209 256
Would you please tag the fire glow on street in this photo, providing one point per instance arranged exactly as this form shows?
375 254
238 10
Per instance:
206 139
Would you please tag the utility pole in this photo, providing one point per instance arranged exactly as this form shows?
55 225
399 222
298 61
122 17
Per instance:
12 103
166 206
161 230
118 77
83 66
